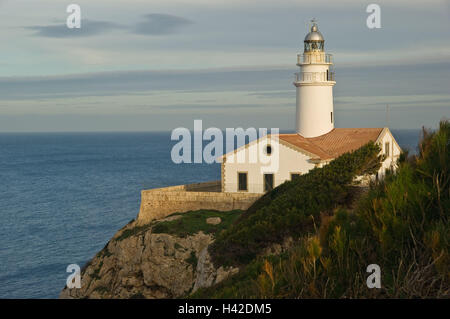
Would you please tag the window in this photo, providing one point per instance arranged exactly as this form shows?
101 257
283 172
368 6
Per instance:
331 117
386 148
268 182
295 175
242 182
268 149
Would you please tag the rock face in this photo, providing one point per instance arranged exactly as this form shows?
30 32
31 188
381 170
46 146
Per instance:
137 263
213 220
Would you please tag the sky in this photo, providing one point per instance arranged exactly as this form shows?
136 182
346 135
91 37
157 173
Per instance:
139 65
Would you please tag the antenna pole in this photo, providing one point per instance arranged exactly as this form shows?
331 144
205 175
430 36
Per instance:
387 115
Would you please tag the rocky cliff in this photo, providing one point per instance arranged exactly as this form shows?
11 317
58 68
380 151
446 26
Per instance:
140 263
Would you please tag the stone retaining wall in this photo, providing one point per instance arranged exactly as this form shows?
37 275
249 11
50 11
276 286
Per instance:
161 202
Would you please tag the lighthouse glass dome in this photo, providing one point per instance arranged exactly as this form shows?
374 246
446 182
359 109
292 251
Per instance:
314 40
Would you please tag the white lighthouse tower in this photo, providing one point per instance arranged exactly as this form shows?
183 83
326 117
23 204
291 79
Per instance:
314 84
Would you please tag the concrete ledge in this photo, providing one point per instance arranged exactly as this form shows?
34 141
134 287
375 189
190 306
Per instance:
161 202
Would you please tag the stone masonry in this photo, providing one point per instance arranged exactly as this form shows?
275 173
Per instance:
161 202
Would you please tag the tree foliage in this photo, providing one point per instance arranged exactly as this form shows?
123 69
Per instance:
401 224
292 209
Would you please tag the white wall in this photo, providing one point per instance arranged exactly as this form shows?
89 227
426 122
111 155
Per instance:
314 103
290 161
314 107
394 152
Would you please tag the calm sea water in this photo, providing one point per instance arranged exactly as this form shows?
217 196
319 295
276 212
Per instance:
63 196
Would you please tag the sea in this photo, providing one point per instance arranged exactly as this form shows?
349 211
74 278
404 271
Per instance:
64 195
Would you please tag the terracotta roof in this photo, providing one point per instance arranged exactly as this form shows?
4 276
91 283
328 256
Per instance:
334 143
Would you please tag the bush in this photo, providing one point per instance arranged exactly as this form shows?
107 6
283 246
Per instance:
195 221
401 224
293 208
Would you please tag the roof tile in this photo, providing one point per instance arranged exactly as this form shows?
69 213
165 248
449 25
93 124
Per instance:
334 143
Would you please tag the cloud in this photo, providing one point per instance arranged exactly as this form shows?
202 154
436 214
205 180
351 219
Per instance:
160 24
154 24
132 82
273 84
88 28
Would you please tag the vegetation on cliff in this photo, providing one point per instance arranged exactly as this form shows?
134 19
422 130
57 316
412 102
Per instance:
400 224
309 238
193 222
294 208
166 258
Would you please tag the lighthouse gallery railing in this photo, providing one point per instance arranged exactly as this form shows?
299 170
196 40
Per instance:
314 58
310 77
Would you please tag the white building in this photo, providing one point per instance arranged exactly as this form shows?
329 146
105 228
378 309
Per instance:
316 141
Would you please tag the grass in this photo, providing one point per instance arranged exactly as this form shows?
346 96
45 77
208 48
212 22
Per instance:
195 221
293 208
95 274
104 252
401 224
133 231
188 224
192 259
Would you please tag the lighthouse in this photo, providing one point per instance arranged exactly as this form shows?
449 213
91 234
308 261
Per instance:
315 143
314 83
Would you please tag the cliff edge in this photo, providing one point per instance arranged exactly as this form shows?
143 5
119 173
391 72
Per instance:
151 261
312 237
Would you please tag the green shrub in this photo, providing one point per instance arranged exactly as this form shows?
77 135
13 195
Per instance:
292 208
401 224
192 259
195 221
136 230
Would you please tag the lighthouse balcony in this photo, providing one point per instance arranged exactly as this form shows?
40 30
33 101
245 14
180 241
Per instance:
314 77
314 58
